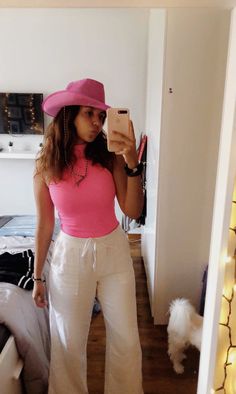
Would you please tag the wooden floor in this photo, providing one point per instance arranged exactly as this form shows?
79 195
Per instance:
158 374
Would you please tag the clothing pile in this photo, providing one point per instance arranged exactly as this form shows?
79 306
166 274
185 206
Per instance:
17 269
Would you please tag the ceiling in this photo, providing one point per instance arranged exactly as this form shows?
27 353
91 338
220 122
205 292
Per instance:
115 3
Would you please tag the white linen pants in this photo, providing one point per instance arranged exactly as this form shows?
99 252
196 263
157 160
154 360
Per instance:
80 269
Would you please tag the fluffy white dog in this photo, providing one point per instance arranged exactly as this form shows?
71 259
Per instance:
184 329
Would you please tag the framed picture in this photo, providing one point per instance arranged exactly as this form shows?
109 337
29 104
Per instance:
25 99
28 116
11 98
14 112
14 127
21 113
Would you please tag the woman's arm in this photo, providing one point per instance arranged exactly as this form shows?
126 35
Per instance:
45 223
128 189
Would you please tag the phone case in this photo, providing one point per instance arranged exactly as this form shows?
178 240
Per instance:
117 120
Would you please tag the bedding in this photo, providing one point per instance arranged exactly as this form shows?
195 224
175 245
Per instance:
29 326
18 314
22 225
4 335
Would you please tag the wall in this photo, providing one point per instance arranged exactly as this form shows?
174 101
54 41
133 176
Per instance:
118 3
43 49
156 53
195 59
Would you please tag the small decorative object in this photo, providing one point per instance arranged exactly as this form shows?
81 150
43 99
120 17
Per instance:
10 146
40 145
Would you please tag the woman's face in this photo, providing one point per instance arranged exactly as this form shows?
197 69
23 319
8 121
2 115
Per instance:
89 123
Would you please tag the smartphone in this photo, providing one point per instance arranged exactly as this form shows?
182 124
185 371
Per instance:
117 120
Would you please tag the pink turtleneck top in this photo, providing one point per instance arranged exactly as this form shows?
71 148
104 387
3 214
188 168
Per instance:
87 210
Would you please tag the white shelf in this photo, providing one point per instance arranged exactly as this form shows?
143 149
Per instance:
18 155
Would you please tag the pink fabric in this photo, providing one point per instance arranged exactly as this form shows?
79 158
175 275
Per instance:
87 211
84 92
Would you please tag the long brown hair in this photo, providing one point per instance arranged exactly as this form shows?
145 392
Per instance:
59 140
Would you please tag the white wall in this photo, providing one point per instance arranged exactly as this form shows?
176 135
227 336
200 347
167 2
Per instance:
41 50
156 55
195 58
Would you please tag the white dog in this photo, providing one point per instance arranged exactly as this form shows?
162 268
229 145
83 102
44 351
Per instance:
184 329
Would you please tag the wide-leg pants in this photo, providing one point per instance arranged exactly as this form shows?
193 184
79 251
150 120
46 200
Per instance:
80 269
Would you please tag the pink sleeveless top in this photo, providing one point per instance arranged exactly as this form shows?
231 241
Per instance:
87 210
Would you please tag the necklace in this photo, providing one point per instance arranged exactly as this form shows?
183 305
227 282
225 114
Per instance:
74 173
77 176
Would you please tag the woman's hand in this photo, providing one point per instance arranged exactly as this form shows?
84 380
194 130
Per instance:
39 294
127 146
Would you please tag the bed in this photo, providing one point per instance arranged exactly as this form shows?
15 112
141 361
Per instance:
24 328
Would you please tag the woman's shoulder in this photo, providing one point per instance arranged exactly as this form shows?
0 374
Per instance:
39 175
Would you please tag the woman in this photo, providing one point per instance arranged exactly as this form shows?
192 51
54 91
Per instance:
77 175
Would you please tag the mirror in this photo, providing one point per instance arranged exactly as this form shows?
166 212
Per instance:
168 68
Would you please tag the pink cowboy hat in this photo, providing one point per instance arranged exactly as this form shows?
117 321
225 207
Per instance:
87 92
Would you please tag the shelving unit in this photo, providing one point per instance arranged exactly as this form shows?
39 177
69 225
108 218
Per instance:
18 155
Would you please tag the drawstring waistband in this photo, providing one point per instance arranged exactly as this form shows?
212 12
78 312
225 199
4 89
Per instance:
73 256
90 243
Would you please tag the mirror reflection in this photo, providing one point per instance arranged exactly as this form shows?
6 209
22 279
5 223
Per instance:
167 67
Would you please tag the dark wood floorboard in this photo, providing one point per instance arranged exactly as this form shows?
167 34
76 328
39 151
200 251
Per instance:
158 374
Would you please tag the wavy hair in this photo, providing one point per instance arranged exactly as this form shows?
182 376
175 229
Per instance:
59 140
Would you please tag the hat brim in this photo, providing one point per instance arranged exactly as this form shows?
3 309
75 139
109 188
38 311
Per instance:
55 101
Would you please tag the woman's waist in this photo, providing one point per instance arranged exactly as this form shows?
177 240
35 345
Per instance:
78 232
